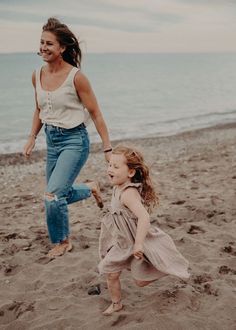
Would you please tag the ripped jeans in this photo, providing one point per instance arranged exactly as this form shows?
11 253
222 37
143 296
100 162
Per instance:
67 152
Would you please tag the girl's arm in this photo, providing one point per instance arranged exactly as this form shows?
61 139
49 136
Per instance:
89 101
35 128
131 199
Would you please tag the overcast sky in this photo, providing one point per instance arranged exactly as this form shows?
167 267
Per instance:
124 25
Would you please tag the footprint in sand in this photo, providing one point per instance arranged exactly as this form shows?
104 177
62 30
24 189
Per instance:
10 269
7 237
211 214
179 202
170 294
44 260
11 250
195 230
226 270
119 320
13 311
203 278
209 290
83 242
229 249
201 284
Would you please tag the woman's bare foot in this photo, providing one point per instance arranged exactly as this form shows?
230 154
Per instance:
95 189
60 249
114 307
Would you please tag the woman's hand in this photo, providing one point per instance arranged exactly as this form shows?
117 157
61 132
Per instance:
29 146
138 251
108 155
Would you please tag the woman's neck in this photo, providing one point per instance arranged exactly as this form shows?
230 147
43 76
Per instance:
57 66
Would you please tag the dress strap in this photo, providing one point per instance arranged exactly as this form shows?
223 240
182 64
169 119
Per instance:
118 192
131 184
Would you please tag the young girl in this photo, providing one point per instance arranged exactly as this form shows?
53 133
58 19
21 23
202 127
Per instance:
127 240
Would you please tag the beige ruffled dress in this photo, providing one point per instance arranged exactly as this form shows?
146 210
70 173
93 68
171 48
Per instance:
116 243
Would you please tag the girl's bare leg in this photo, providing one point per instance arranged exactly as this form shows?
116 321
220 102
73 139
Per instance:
114 287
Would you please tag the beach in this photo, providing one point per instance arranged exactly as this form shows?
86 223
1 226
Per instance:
195 175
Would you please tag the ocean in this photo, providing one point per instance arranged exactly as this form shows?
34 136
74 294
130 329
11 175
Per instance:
140 95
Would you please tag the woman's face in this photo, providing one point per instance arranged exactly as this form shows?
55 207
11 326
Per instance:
50 49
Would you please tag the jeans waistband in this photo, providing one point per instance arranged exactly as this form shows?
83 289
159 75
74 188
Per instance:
82 125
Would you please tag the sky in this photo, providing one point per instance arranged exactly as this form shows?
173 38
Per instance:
149 26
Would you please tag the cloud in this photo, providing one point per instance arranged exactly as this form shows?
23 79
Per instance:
102 14
131 25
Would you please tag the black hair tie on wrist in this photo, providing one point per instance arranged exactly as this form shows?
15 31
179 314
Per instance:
108 150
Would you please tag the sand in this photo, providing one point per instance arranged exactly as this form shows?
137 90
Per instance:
195 174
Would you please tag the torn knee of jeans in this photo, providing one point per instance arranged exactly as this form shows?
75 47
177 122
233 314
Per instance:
50 197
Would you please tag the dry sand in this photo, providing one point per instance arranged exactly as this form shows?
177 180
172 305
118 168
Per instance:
195 173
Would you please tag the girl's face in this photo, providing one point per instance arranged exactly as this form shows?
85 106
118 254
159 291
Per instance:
50 48
118 171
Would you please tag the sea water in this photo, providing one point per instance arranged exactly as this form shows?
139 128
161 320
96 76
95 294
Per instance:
140 95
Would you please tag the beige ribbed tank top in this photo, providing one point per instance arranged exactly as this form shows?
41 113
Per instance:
61 107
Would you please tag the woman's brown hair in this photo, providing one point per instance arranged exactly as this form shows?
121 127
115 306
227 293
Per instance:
66 38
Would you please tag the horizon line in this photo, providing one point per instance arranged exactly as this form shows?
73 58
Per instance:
130 53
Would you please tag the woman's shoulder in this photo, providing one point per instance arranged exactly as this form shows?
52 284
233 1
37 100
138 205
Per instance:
80 75
81 81
41 68
37 71
36 75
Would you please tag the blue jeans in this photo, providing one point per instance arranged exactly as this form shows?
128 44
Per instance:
67 152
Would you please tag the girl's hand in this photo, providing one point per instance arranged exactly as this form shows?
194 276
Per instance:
138 251
29 146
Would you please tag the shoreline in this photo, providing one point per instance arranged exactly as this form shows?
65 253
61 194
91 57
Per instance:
37 155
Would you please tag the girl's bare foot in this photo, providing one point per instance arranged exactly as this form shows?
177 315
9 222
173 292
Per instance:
114 307
60 249
95 189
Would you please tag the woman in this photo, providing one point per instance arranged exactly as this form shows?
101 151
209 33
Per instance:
62 92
